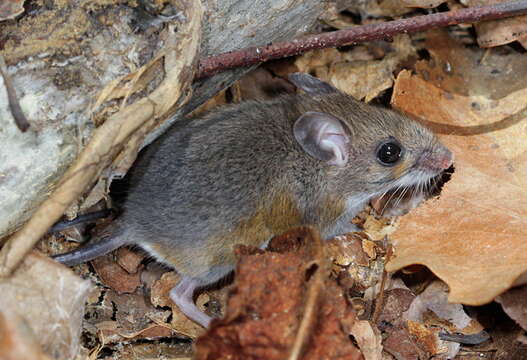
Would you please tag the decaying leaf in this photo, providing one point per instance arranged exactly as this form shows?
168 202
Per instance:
473 236
274 316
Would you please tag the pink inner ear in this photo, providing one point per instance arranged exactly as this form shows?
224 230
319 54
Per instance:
336 143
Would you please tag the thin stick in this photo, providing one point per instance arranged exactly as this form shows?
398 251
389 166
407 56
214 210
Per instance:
314 291
255 55
379 303
20 119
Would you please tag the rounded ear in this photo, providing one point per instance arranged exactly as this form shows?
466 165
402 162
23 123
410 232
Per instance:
311 84
322 136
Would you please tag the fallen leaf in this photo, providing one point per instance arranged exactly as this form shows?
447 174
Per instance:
469 71
115 276
360 78
514 304
479 249
160 297
400 345
499 32
427 337
129 260
368 338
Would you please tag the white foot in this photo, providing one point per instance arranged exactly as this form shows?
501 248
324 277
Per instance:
182 294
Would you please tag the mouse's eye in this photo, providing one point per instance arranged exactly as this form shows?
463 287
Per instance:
389 152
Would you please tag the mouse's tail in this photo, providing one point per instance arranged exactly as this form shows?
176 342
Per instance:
81 219
92 250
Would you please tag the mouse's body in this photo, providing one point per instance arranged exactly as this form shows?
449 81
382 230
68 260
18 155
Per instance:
250 171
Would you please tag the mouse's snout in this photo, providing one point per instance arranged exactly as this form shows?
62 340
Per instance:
436 160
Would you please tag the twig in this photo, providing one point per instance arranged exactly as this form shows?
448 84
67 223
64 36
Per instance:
314 291
20 119
379 303
255 55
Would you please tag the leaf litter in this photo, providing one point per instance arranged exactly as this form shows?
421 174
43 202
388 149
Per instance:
303 299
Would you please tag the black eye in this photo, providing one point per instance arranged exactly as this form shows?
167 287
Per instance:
389 153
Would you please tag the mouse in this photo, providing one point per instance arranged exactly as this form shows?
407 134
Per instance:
247 172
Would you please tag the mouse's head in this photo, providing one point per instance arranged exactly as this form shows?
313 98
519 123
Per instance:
375 150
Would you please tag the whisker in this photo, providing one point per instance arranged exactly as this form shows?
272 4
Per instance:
391 196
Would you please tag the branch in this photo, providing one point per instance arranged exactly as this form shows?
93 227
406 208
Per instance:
16 110
256 55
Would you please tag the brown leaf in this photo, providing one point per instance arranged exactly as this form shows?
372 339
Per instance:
368 338
115 276
160 297
499 32
129 260
514 303
479 247
491 73
400 344
353 73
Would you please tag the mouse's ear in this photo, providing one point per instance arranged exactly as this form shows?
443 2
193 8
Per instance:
311 84
322 136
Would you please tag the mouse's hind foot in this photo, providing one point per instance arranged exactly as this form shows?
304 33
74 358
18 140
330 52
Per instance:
183 296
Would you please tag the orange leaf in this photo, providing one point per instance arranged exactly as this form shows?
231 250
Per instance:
474 237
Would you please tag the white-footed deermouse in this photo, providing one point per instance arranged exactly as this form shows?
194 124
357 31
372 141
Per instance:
250 171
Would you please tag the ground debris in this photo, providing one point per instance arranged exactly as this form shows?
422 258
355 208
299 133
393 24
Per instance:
265 313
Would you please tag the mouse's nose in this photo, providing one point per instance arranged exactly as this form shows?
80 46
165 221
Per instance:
437 160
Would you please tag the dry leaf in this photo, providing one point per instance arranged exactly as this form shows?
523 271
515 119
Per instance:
455 68
479 247
114 276
429 312
499 32
400 344
514 303
180 322
368 338
361 77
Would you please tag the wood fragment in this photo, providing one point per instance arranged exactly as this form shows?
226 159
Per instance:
108 140
255 55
